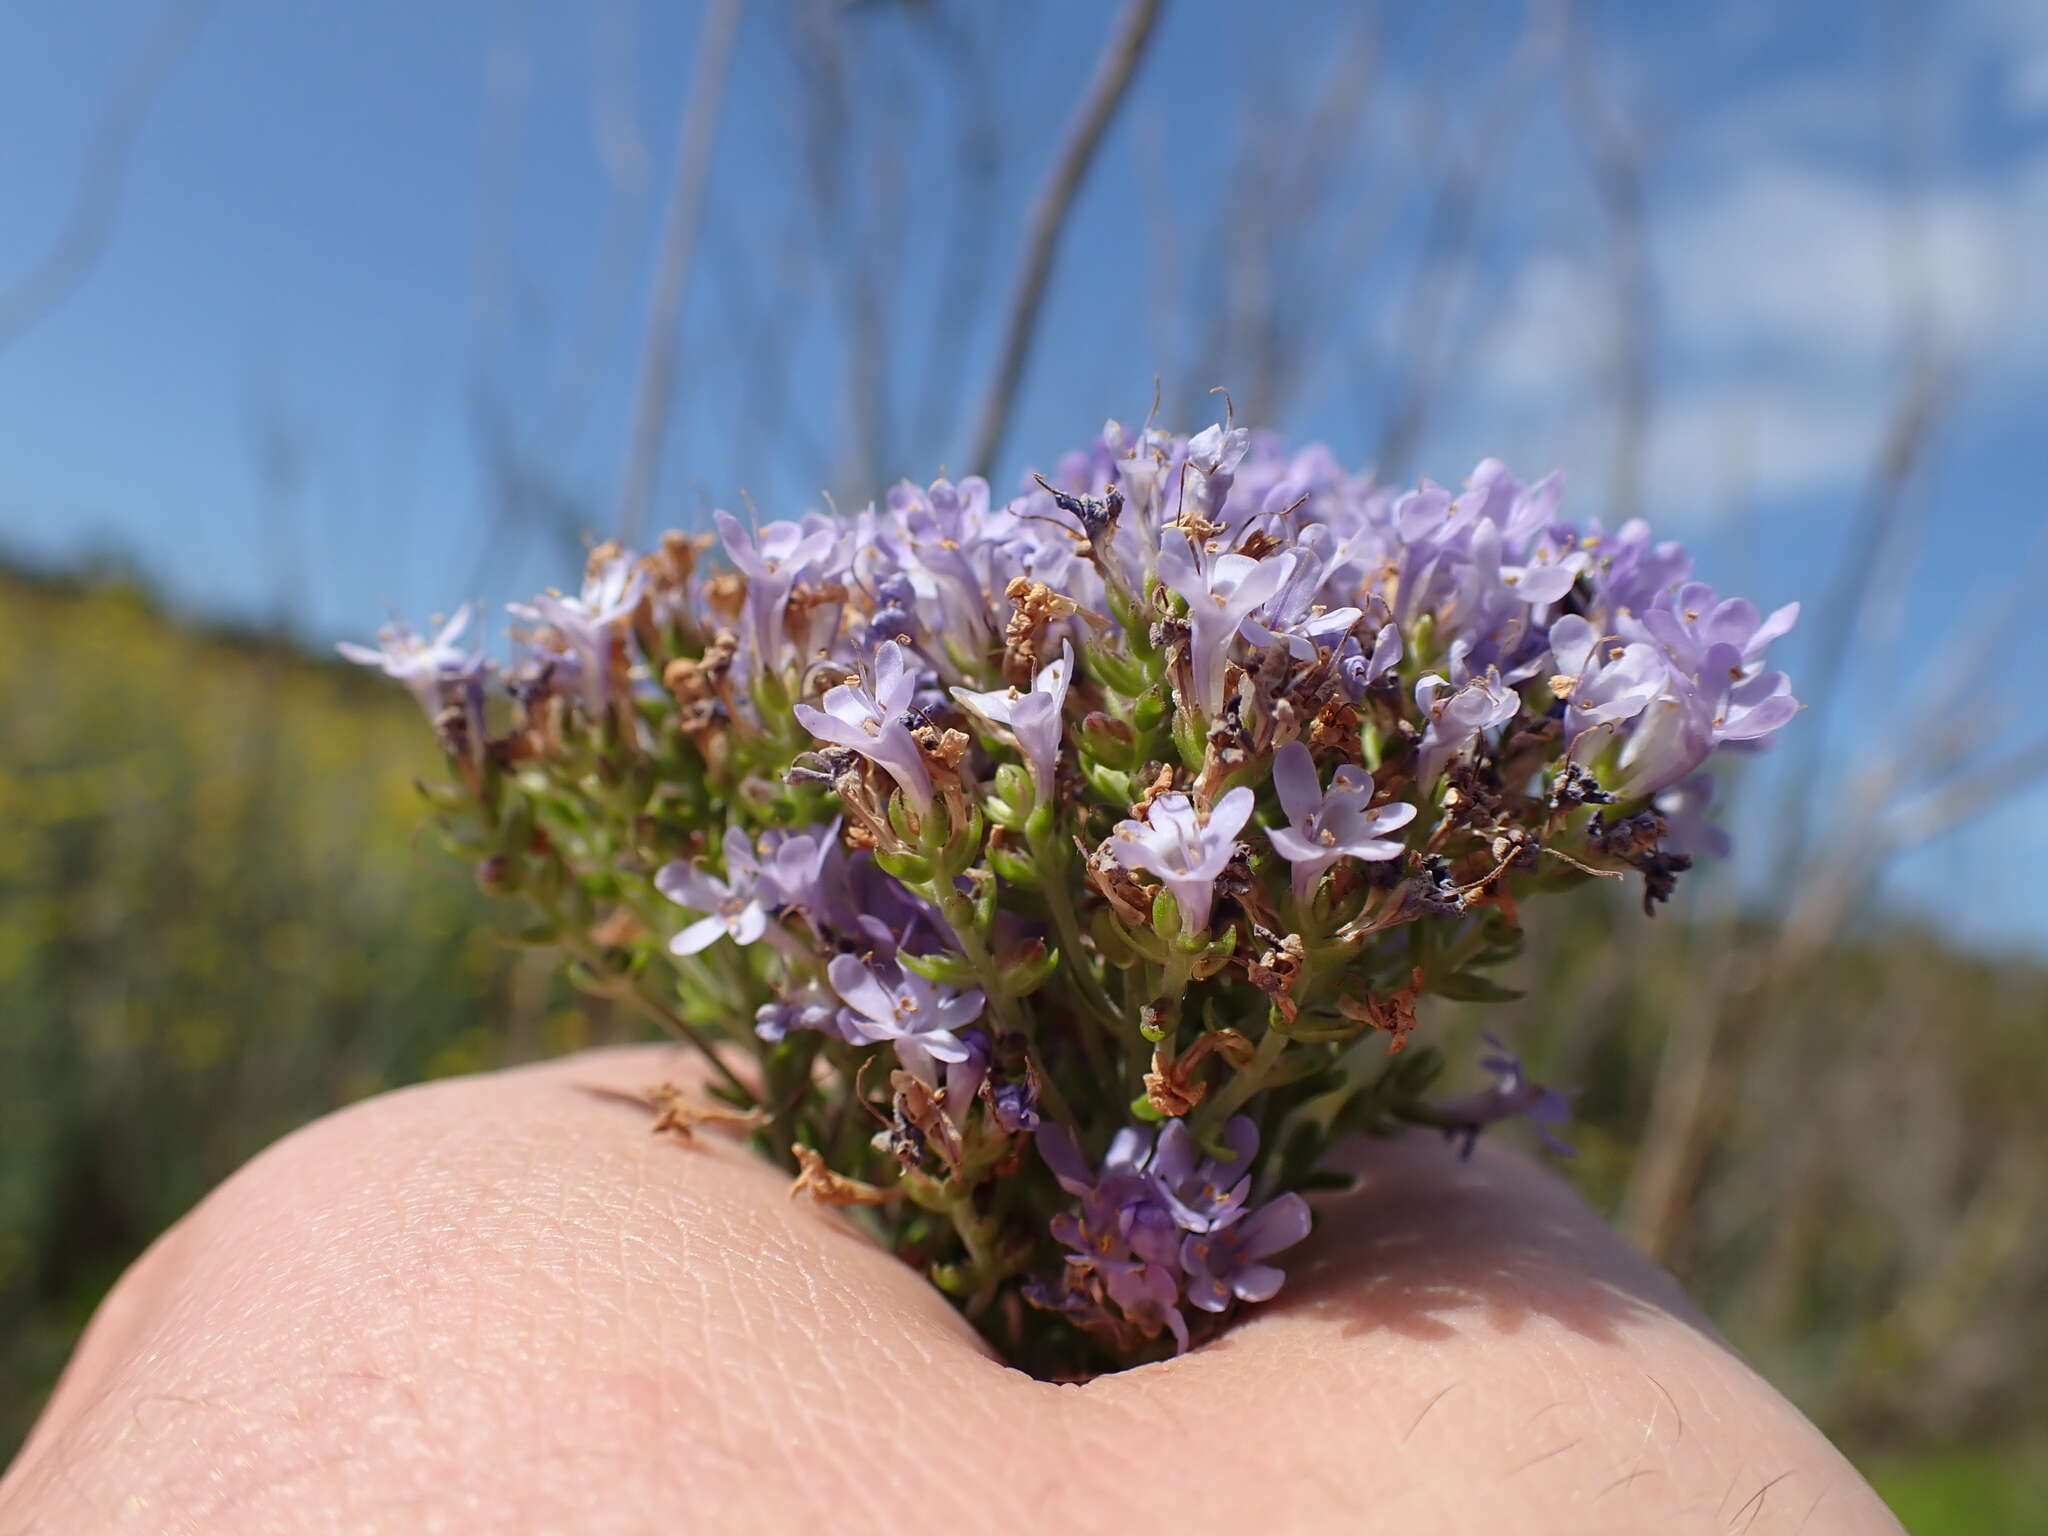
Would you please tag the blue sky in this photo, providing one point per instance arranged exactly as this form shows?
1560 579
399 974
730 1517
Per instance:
398 253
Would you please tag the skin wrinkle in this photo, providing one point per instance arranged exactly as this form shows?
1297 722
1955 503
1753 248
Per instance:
555 1321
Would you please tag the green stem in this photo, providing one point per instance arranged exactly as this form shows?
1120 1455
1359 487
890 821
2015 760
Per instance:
1066 922
959 915
974 1237
629 989
1244 1085
632 992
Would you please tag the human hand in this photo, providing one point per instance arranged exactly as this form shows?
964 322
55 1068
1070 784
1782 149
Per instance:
496 1304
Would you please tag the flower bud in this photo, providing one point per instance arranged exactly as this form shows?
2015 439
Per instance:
1017 868
1014 785
942 968
1109 741
1027 972
1166 916
1151 709
1118 673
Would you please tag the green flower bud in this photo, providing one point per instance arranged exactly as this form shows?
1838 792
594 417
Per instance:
912 869
1166 916
942 969
1013 785
1109 741
1017 868
1112 784
1026 974
1120 674
985 901
1151 710
1038 825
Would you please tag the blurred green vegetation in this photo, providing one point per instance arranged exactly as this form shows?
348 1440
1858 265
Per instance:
218 920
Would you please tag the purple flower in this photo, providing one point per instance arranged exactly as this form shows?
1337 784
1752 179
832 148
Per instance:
1187 853
1512 1094
1014 1103
895 615
1684 807
1679 728
1129 1150
429 667
1163 1223
946 528
1204 1193
919 1017
1149 1295
1333 824
795 864
587 626
771 561
810 1008
1610 682
737 905
1228 1262
1295 616
1698 620
1212 459
1036 718
1360 670
1220 596
1633 575
1122 1230
1488 580
1456 717
867 717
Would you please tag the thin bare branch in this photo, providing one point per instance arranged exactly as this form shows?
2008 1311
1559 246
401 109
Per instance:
1966 797
695 141
83 239
1614 148
1106 92
979 154
615 135
1450 238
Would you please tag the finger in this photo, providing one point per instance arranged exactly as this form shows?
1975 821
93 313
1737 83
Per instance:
499 1304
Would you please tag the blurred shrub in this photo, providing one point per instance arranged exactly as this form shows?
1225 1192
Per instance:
217 920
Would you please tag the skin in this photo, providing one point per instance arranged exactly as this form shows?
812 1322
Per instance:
498 1304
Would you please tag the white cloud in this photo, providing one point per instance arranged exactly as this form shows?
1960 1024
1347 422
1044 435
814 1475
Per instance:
1816 267
1778 290
2016 32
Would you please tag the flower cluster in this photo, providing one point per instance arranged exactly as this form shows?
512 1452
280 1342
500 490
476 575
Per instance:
1053 854
1164 1224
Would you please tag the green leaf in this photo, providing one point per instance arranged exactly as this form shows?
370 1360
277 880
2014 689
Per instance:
1024 977
1166 915
1016 868
1470 987
944 968
1120 674
1013 786
1112 784
911 868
